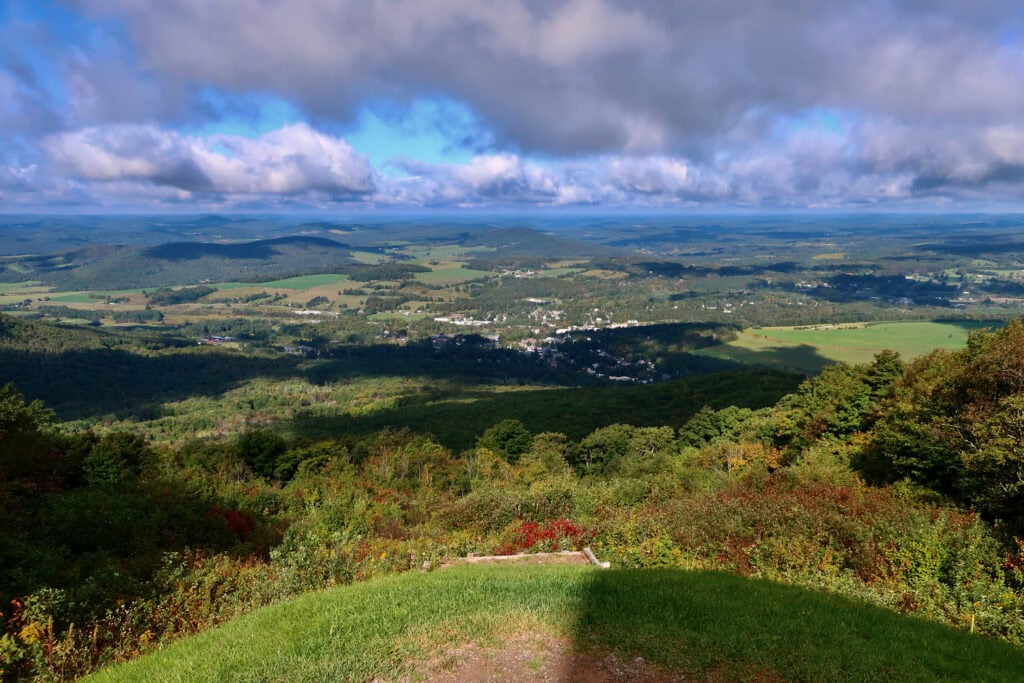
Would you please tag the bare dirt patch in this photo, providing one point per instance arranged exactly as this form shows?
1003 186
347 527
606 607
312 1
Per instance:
528 657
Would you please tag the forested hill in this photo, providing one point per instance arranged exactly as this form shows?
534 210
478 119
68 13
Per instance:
575 412
260 249
177 263
20 336
106 266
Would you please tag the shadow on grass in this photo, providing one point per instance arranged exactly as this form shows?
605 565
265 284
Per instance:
527 623
803 358
744 629
971 325
807 358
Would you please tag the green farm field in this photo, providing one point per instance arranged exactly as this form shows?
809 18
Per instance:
558 272
369 257
305 281
809 349
14 292
300 282
8 287
450 274
91 297
444 252
399 316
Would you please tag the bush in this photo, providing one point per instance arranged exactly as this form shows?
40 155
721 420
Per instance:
550 536
508 438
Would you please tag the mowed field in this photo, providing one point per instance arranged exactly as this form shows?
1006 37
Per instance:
811 348
450 273
93 296
300 282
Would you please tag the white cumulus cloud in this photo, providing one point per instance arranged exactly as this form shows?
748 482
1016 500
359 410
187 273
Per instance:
292 160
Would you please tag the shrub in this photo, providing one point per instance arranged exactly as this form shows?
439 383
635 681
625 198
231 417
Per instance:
550 536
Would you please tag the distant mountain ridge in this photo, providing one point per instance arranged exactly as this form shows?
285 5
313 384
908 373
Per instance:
182 263
257 249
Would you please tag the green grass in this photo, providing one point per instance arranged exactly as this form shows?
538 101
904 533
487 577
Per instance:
444 252
91 297
690 622
812 348
6 287
558 272
232 285
395 315
1004 273
450 275
369 257
305 281
298 283
602 274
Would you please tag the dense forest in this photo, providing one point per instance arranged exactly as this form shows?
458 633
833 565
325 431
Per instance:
898 484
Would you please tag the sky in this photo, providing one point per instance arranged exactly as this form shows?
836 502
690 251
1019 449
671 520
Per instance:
385 105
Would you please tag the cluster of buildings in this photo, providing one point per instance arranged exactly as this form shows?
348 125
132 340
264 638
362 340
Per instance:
313 311
461 320
487 340
216 340
519 274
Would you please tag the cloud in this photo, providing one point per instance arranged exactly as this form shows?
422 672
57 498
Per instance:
296 165
599 76
877 163
608 102
292 160
947 160
496 178
17 179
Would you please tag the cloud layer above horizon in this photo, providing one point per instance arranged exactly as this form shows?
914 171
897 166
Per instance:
255 104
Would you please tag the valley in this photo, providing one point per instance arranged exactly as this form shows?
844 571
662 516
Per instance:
280 415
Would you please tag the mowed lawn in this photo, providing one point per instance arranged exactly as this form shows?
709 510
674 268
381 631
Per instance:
702 625
811 348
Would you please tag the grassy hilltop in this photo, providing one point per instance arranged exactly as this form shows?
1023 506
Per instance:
694 624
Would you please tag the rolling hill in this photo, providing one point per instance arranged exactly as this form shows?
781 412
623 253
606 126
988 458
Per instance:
180 263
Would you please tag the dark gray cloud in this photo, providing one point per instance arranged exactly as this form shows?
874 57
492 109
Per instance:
600 75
